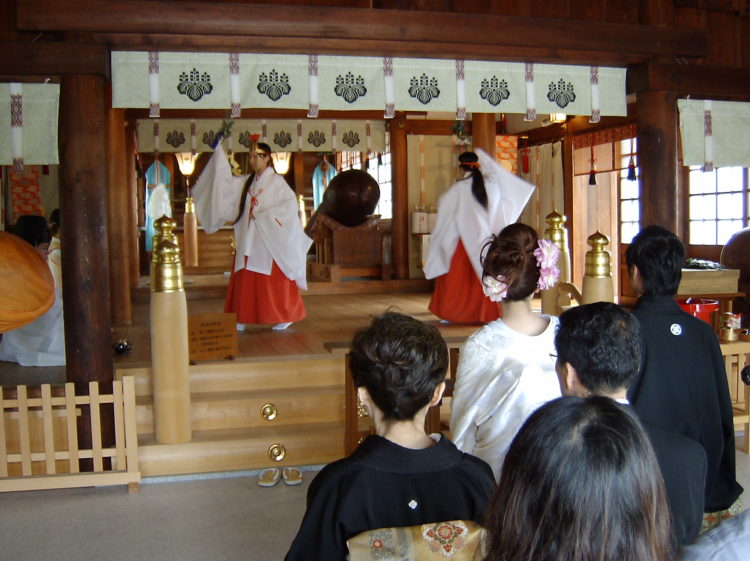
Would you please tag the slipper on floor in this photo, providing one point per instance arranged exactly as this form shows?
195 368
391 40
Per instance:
269 477
292 476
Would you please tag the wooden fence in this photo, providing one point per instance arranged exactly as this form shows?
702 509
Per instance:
39 448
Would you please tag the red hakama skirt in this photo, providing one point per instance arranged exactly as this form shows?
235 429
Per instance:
458 294
259 298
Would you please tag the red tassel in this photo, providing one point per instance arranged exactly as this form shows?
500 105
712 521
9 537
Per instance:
525 160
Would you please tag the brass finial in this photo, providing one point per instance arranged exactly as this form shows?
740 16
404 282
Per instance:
556 233
166 267
598 258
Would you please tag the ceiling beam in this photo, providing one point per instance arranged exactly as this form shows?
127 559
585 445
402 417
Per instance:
25 58
351 30
712 82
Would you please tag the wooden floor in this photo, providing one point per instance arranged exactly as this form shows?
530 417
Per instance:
330 318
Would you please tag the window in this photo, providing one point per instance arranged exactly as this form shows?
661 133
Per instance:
350 160
630 207
380 168
717 204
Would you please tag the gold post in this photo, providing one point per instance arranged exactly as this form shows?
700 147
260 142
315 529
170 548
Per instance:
553 299
169 338
597 280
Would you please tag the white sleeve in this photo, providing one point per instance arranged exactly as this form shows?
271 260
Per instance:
217 192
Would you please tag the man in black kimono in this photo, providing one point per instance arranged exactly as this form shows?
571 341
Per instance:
599 352
682 384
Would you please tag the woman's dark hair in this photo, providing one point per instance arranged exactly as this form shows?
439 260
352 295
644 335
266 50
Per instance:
400 361
259 147
32 228
468 161
511 254
659 256
580 482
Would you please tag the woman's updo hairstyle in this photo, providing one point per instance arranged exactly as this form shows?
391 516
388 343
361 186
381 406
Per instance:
510 255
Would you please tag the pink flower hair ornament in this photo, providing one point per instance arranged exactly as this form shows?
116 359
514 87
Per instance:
495 288
547 255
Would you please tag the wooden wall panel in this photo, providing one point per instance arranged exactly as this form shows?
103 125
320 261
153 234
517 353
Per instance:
724 30
550 9
621 12
656 12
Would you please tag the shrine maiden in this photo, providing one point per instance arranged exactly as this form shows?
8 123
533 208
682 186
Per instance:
487 199
271 247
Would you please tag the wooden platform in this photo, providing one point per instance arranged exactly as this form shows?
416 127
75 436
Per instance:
281 400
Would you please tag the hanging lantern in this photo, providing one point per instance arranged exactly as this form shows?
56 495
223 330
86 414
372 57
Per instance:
631 164
186 162
592 173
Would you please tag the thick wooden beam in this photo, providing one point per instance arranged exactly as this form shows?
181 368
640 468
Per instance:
118 218
83 209
355 25
27 58
657 160
400 197
484 130
714 82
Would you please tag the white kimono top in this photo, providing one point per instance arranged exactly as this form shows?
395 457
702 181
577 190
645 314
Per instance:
503 376
274 233
460 216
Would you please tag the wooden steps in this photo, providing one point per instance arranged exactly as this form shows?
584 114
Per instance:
239 449
248 414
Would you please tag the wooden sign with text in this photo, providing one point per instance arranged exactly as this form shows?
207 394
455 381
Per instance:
212 336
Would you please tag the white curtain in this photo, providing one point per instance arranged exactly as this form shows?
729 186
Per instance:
546 172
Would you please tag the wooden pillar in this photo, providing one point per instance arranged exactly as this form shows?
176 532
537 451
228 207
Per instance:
83 210
400 197
132 208
85 259
567 210
657 160
118 217
483 133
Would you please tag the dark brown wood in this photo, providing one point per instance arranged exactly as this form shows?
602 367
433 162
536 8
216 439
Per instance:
484 129
132 204
26 58
426 49
83 210
657 160
119 226
567 173
354 25
713 82
400 197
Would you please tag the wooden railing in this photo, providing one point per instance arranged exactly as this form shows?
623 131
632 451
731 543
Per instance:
39 448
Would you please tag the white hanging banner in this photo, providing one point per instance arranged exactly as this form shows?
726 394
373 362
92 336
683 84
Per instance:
351 83
713 133
170 80
28 123
424 85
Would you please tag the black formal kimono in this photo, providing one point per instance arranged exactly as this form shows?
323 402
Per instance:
682 387
683 466
385 485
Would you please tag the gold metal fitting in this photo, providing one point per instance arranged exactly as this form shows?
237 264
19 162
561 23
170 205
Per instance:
166 267
269 411
598 258
556 233
189 205
276 452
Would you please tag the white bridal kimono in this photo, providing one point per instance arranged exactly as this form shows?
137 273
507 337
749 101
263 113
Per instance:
503 376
